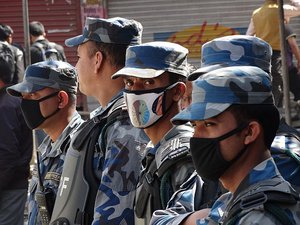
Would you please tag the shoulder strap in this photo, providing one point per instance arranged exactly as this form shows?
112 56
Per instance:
148 189
178 151
270 200
41 48
117 112
155 183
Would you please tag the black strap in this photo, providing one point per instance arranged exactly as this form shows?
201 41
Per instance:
87 140
148 188
270 200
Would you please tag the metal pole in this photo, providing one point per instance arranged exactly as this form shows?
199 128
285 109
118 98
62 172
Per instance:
285 76
26 32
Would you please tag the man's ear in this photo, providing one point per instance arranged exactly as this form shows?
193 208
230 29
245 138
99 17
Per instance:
254 130
63 99
99 61
178 91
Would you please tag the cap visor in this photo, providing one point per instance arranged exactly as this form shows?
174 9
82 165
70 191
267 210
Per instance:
138 72
74 41
24 87
197 73
199 111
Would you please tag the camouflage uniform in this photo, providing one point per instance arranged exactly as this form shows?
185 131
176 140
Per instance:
213 93
118 151
256 179
217 54
59 76
118 170
285 150
51 158
167 164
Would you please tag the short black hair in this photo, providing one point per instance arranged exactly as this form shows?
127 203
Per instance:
266 115
5 71
36 28
5 31
115 53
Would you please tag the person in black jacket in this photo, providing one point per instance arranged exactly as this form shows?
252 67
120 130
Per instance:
15 153
6 33
39 43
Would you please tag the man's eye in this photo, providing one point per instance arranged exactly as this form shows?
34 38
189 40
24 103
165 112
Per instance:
193 123
208 124
128 83
148 82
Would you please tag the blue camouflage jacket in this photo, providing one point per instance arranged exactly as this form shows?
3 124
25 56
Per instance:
169 158
51 158
118 170
286 153
267 170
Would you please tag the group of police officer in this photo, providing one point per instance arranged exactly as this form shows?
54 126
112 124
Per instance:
139 159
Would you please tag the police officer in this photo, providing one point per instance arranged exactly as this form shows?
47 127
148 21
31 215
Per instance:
231 143
48 93
154 77
223 52
101 190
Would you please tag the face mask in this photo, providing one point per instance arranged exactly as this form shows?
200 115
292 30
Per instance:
32 112
146 107
207 157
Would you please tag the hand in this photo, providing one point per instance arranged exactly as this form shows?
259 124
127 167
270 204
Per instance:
193 218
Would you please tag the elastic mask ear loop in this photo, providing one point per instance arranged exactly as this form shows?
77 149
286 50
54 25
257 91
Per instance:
239 155
166 110
46 97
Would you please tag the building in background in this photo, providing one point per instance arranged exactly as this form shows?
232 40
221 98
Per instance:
189 23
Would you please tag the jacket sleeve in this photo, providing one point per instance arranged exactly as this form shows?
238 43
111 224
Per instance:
182 203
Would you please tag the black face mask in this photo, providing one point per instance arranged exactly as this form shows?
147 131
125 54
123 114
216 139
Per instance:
32 112
207 157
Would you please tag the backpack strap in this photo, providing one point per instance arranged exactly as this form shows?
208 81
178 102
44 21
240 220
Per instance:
117 113
41 48
147 188
269 199
87 140
155 183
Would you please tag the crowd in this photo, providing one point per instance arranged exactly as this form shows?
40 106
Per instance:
168 144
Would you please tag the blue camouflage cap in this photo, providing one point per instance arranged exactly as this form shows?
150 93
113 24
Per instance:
154 58
234 50
217 90
54 74
115 30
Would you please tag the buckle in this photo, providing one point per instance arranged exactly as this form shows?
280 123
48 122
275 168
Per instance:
149 178
253 200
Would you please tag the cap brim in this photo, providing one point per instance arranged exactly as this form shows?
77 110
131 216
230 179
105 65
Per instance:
75 41
197 73
199 111
23 87
138 72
